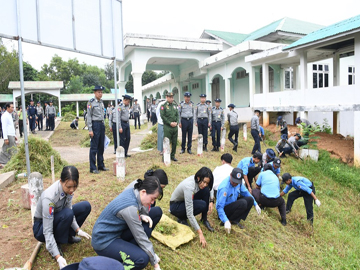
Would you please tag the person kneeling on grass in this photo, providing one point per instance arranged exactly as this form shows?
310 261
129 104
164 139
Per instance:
121 228
250 167
304 188
267 192
231 209
191 197
75 123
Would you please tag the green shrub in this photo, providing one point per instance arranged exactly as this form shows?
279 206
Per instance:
68 117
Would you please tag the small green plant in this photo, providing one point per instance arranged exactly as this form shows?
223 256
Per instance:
309 135
127 263
166 229
326 127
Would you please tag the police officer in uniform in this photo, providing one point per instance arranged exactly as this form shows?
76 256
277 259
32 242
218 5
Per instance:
46 114
148 109
137 112
40 113
31 111
170 116
255 132
95 123
218 121
186 111
234 126
51 115
153 112
202 119
112 124
124 128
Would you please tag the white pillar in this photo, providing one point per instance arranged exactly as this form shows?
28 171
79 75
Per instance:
252 86
77 108
137 79
336 68
304 114
265 119
265 78
356 138
303 71
227 91
59 108
208 86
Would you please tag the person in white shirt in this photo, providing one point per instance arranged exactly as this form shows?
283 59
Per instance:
9 134
160 132
220 173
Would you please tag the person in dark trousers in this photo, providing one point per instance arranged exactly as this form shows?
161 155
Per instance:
51 116
31 111
75 123
234 126
284 147
186 113
250 167
56 220
267 192
47 128
148 109
255 131
136 109
217 125
112 124
281 123
124 127
153 112
303 188
191 197
21 123
40 115
202 119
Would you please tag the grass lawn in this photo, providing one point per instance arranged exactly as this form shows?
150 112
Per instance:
332 243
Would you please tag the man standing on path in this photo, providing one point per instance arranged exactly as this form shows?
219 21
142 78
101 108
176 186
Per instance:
160 129
95 123
137 112
31 111
255 132
186 111
148 109
8 148
170 117
202 119
217 125
153 112
112 124
124 127
21 127
234 126
40 113
51 116
46 114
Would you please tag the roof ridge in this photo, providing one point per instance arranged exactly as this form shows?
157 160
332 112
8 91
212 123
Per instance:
280 25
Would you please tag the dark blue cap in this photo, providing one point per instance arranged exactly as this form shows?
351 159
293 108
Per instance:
270 153
231 105
187 94
38 102
127 97
99 87
154 99
50 101
298 120
283 137
218 100
202 95
119 100
31 100
279 118
135 99
208 101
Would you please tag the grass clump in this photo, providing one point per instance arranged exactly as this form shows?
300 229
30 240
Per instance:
68 117
150 141
166 229
40 152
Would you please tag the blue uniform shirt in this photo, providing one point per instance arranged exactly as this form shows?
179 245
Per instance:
299 183
245 164
262 131
276 171
269 183
31 111
227 194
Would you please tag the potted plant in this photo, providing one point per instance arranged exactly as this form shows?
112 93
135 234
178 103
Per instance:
311 140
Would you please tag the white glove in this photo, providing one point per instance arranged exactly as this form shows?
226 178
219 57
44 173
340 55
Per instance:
62 262
157 259
157 268
84 234
227 226
317 202
258 209
147 219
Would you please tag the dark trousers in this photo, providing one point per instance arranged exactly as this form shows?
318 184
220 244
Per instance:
73 126
234 130
239 209
286 150
203 125
308 201
186 128
266 202
148 114
300 143
21 127
172 134
200 205
252 172
47 123
153 119
285 131
137 118
216 132
51 121
97 146
40 121
32 122
115 136
62 222
255 135
125 136
128 244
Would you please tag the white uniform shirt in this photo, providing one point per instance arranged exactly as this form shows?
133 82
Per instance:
7 125
220 173
160 121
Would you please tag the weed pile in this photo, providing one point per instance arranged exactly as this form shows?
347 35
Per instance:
150 141
68 117
40 152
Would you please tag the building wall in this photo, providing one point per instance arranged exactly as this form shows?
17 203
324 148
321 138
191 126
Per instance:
347 123
240 94
344 65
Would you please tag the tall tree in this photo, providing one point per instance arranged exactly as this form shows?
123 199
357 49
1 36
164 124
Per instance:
147 77
30 73
9 68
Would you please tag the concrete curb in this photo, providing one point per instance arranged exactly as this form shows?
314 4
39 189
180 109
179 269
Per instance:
6 179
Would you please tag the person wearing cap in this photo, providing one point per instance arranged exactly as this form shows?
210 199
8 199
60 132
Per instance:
124 127
202 119
255 131
112 124
31 111
268 156
40 115
220 173
208 102
47 128
148 109
281 123
186 112
267 192
51 116
75 123
234 126
108 110
217 125
303 188
230 206
153 112
9 145
95 123
284 147
95 263
190 198
250 167
275 167
136 109
122 228
296 141
299 121
170 116
160 128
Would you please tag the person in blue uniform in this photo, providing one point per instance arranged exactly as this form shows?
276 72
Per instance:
230 206
250 167
32 114
303 188
267 192
275 167
95 263
56 220
122 226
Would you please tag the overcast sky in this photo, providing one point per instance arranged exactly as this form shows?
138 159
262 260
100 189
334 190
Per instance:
188 18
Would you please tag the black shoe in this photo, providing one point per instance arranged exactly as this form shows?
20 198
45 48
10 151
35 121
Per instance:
235 147
174 159
239 225
217 149
208 226
103 169
183 222
182 151
189 151
127 155
74 239
205 148
283 222
94 171
114 152
214 149
221 223
288 211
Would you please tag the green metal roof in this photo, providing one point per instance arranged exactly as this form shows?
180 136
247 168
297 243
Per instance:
332 30
286 25
230 37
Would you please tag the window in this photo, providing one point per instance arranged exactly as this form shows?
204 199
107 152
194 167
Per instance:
289 78
185 88
320 76
241 74
351 76
195 85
